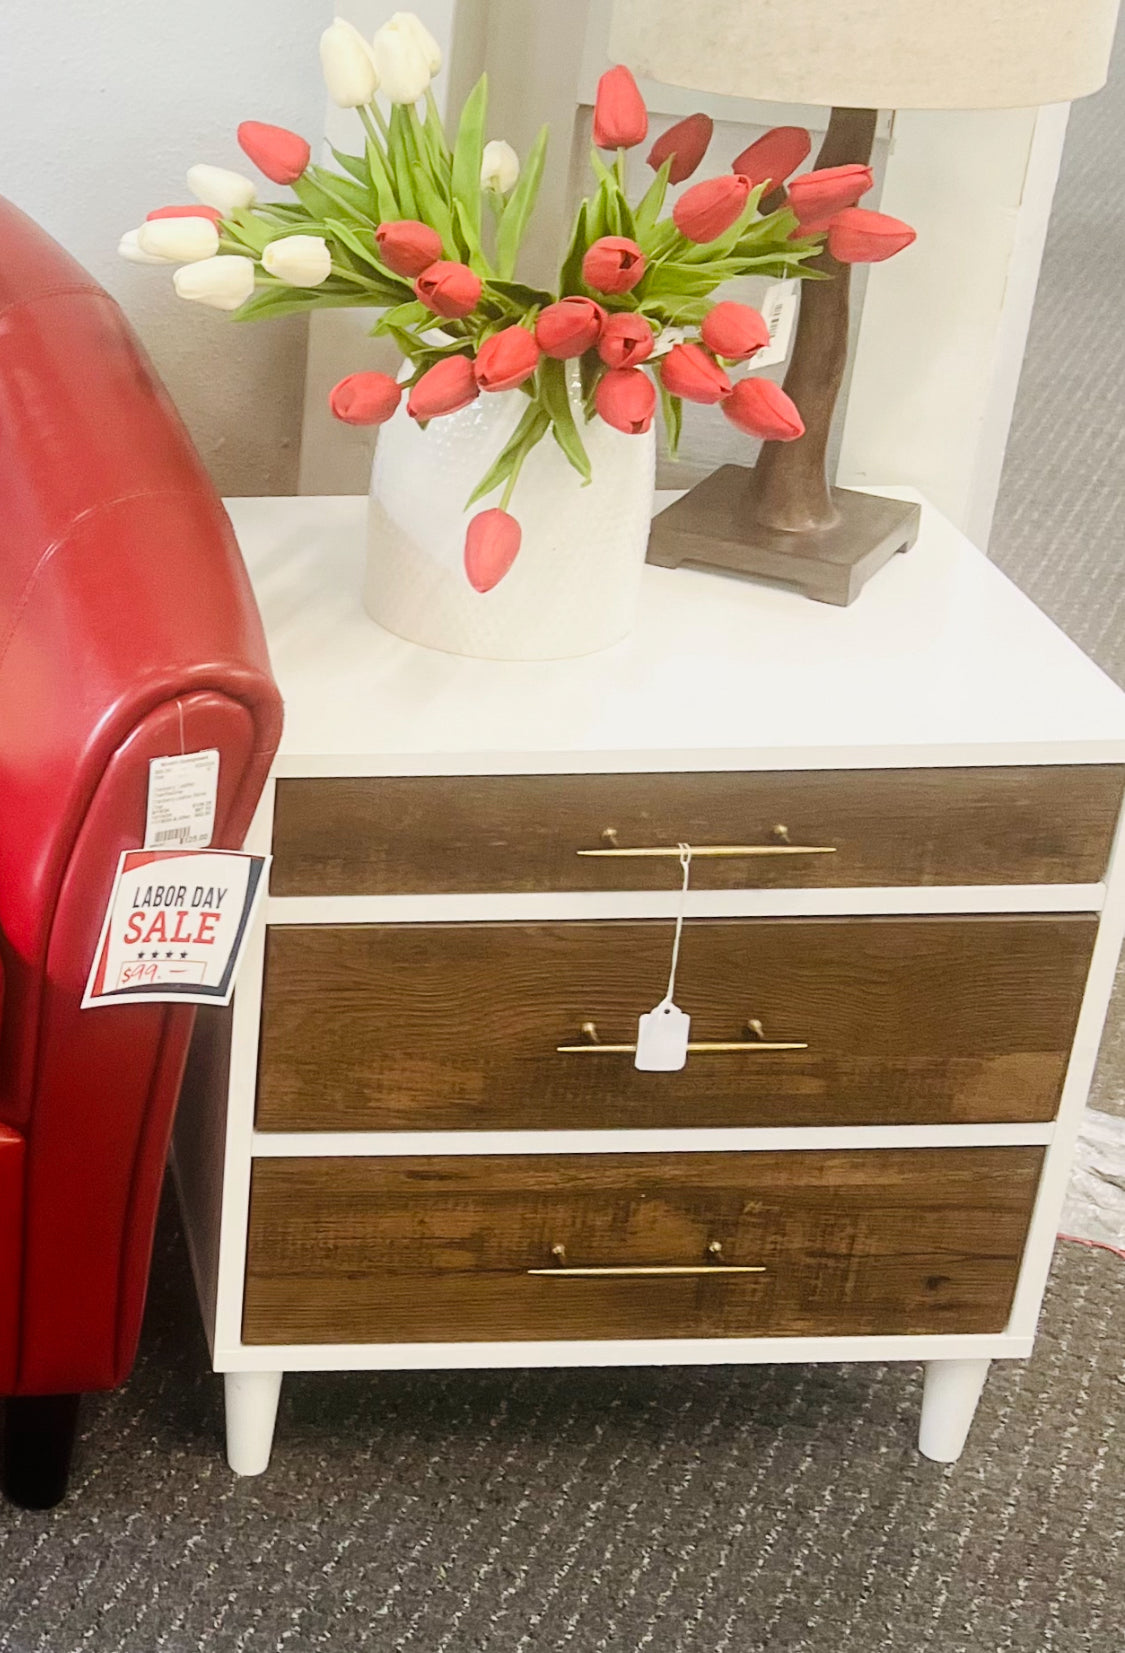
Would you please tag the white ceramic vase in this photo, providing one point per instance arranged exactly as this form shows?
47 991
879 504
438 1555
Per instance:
573 588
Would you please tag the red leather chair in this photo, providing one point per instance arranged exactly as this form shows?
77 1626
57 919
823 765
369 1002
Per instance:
128 630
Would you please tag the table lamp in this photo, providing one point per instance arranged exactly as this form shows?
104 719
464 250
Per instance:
782 519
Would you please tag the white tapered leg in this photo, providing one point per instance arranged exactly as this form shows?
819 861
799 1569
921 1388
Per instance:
251 1404
950 1394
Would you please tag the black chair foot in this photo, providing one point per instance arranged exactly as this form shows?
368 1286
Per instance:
39 1434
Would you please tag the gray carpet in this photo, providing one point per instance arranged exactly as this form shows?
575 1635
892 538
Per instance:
715 1510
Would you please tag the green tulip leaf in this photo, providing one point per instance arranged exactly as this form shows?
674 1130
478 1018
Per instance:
652 202
555 398
401 160
519 207
355 198
468 152
530 430
527 298
414 314
282 300
673 410
570 278
355 164
382 182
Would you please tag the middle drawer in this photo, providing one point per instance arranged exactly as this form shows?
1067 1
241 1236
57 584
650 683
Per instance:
459 1026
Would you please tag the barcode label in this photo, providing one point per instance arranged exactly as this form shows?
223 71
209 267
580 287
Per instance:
181 800
171 835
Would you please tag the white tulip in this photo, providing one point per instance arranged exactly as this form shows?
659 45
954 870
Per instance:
401 62
130 248
430 49
179 240
223 282
217 187
348 64
301 260
499 167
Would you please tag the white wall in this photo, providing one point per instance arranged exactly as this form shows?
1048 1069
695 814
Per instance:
103 106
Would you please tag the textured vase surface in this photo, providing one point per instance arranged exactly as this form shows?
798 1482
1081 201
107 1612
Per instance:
573 588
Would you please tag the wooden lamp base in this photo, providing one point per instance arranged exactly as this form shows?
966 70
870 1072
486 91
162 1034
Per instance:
713 527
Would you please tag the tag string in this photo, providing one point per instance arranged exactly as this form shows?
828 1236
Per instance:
685 863
180 709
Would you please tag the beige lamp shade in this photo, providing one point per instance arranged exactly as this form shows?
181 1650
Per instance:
872 54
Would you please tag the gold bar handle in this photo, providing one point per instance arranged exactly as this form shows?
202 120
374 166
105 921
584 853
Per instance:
755 1042
780 846
562 1270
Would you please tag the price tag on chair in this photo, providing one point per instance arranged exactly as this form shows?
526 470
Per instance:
181 800
175 927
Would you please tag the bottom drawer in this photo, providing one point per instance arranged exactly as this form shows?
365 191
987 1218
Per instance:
434 1249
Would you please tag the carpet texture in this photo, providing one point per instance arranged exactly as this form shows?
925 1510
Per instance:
705 1510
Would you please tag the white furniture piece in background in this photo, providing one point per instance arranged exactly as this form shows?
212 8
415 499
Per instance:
404 1128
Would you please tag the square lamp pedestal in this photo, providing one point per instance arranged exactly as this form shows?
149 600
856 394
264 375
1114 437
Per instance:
713 527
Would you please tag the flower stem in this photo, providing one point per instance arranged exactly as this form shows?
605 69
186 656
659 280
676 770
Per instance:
619 169
510 485
369 127
382 120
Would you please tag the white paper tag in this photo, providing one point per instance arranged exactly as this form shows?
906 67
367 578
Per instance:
181 800
662 1039
779 311
175 927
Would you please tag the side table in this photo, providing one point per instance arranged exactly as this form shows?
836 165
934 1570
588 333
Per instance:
418 1139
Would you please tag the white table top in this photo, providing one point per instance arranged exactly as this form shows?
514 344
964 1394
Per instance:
941 660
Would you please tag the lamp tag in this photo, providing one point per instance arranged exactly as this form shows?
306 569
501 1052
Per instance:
779 311
181 800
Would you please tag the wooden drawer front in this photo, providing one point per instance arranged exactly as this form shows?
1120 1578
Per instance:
420 834
437 1249
456 1026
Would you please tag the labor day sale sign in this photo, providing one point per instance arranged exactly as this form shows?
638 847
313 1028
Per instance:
175 926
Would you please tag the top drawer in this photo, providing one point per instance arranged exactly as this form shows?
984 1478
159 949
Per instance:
846 828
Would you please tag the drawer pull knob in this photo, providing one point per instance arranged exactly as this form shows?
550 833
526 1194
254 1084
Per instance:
780 846
562 1270
755 1040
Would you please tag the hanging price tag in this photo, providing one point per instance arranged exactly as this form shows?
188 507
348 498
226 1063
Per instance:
779 311
181 800
662 1033
662 1039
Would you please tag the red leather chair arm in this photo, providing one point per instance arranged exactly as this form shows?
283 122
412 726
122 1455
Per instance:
128 630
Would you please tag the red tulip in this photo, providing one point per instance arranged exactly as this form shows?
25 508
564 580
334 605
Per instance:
626 340
707 210
446 387
507 359
365 398
817 197
449 289
282 155
613 265
408 247
857 236
620 116
569 327
734 331
626 399
686 143
687 370
195 210
492 544
761 408
771 159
